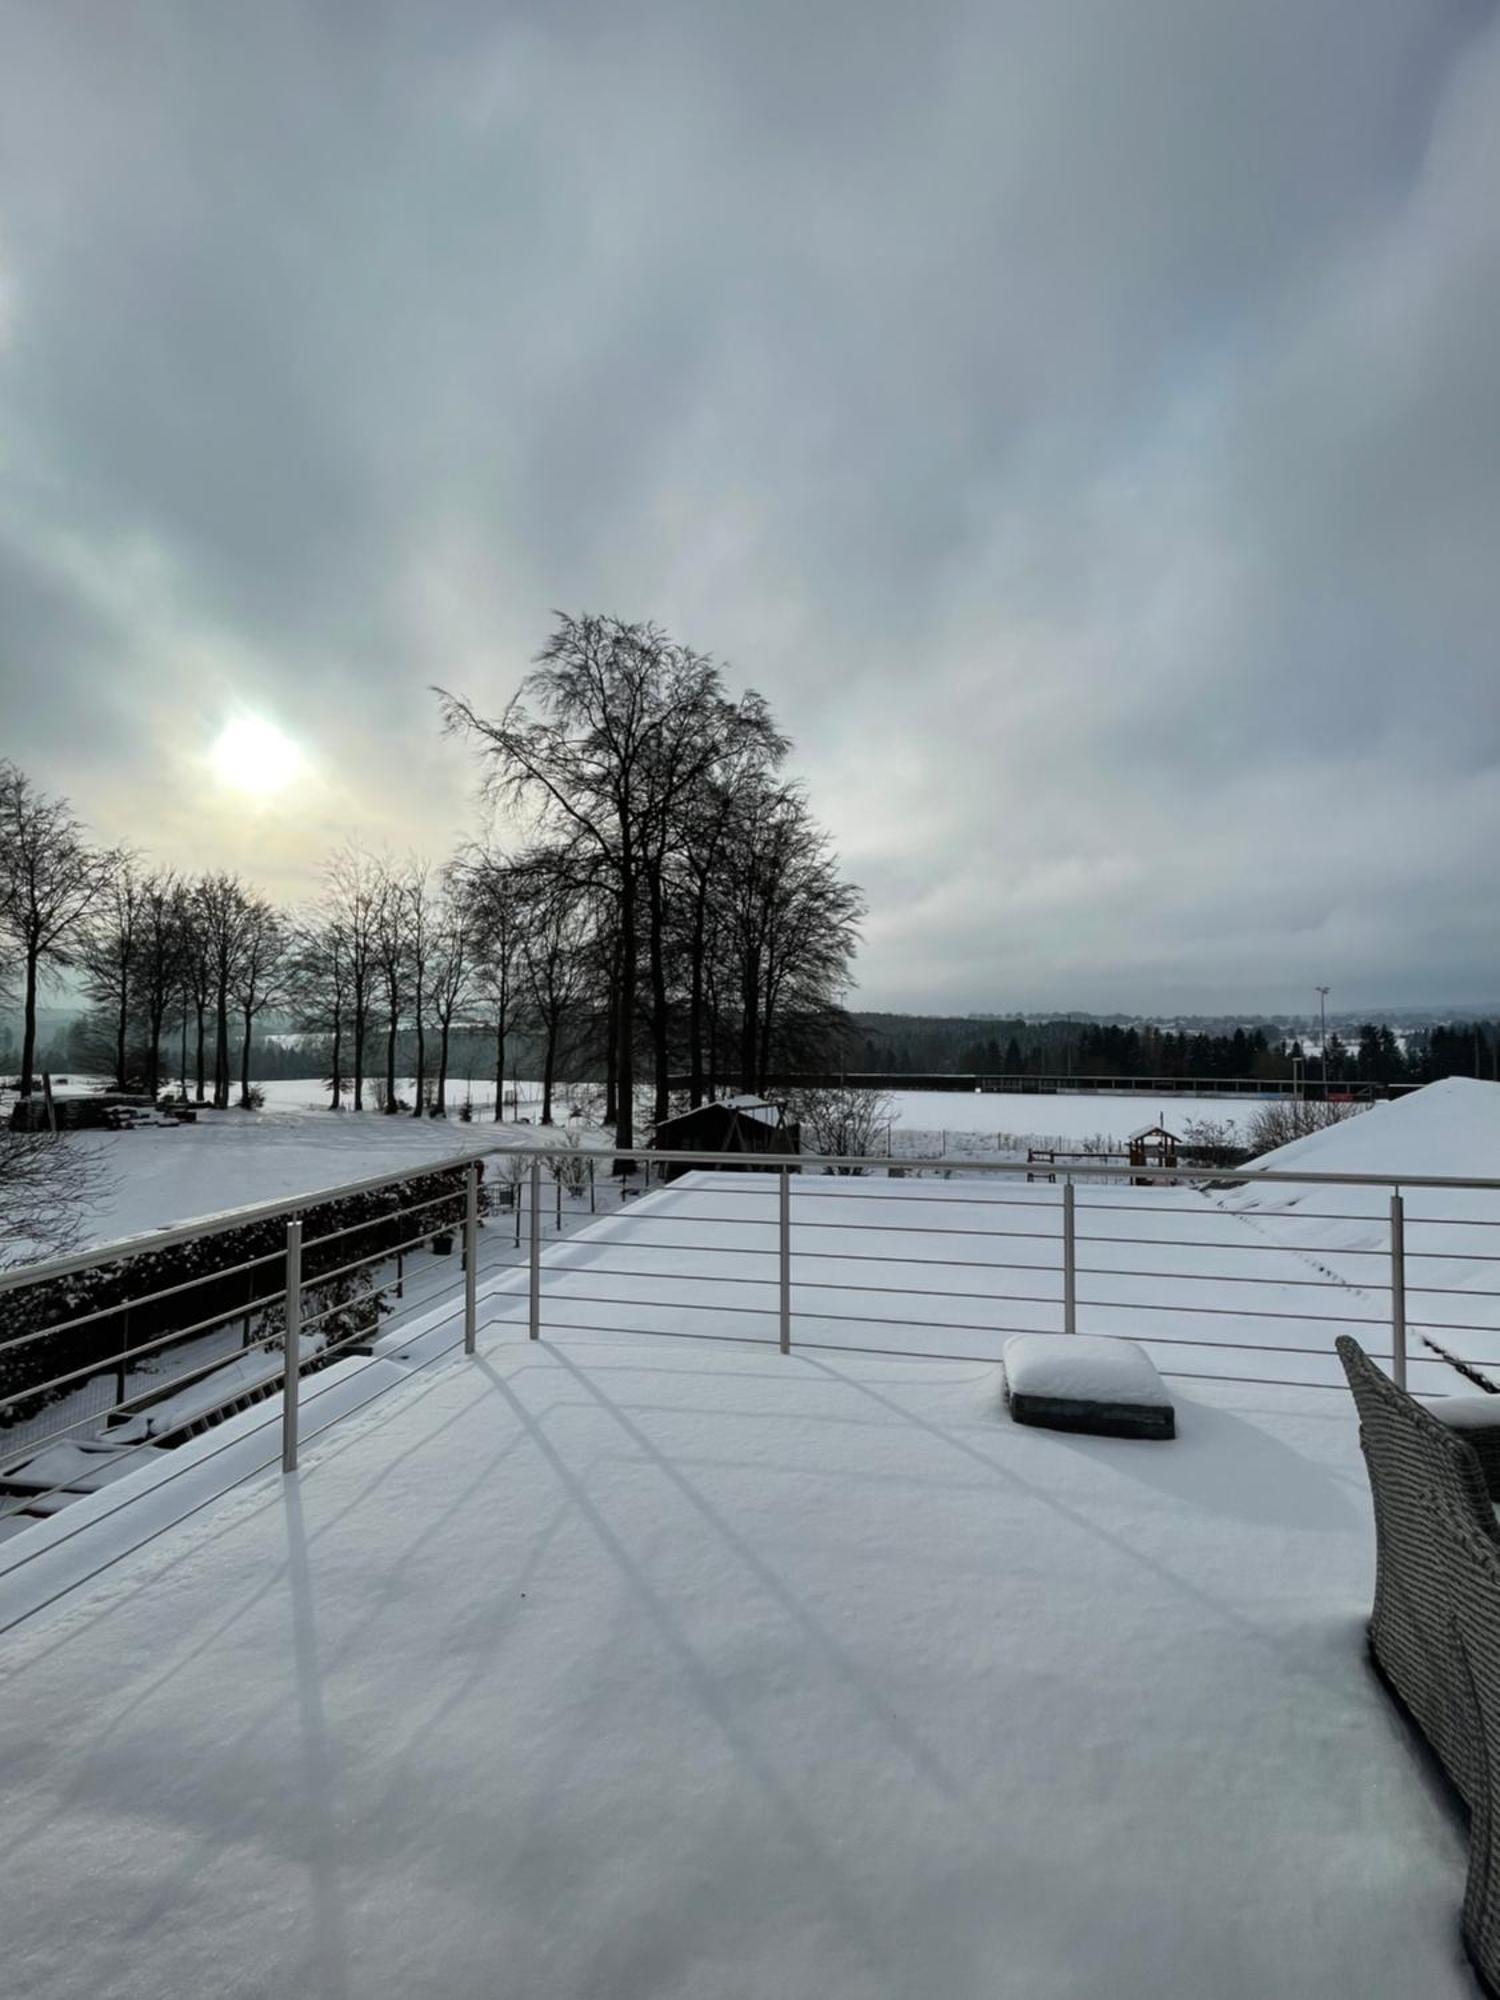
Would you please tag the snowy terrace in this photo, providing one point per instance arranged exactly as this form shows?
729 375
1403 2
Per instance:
645 1659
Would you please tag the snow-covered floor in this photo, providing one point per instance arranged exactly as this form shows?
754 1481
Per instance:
657 1668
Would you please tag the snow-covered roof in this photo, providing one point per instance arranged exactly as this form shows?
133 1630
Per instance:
754 1107
686 1667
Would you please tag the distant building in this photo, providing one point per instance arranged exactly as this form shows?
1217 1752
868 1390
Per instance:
729 1125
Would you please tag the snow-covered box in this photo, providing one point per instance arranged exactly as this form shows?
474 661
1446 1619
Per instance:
1085 1382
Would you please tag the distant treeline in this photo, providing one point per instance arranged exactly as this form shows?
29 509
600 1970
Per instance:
914 1044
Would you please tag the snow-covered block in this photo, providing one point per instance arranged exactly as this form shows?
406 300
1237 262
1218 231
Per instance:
1464 1413
1086 1382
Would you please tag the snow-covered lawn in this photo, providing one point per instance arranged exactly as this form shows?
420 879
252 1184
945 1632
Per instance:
1067 1117
655 1668
157 1176
154 1176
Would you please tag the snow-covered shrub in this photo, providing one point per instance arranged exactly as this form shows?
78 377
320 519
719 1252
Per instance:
842 1119
1287 1118
572 1165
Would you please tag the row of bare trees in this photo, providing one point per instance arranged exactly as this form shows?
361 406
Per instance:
666 906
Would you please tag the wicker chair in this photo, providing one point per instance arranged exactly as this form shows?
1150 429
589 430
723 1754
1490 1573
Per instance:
1477 1634
1423 1477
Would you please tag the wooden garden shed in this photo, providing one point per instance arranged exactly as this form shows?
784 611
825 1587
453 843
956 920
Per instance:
728 1125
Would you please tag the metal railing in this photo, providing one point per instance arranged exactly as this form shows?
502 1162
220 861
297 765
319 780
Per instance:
939 1259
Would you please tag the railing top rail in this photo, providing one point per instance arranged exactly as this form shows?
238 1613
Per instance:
288 1206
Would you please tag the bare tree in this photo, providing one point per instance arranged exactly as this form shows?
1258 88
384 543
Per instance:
417 917
319 982
257 974
581 743
50 882
46 1179
197 972
491 891
389 947
793 923
108 956
159 963
452 972
352 900
554 942
221 910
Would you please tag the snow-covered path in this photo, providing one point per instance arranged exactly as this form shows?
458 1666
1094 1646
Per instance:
654 1668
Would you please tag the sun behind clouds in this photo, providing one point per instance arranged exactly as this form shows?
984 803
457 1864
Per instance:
254 756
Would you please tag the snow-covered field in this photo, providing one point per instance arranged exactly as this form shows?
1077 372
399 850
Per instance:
1065 1117
157 1176
154 1177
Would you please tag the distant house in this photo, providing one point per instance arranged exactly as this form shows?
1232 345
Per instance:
729 1125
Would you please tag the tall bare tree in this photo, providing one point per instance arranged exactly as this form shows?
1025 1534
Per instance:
554 946
319 982
159 962
389 947
491 892
221 911
51 879
450 982
613 728
419 923
256 982
108 956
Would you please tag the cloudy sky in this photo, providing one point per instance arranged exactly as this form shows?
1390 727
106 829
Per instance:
1081 420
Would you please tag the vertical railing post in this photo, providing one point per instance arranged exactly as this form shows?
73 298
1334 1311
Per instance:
292 1347
471 1259
1398 1290
536 1250
784 1249
1070 1261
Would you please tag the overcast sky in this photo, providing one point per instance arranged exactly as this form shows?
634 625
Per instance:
1081 420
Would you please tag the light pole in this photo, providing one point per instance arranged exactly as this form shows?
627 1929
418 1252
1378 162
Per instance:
1322 993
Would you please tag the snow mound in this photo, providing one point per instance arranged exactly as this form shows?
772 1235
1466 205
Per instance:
1091 1366
1450 1128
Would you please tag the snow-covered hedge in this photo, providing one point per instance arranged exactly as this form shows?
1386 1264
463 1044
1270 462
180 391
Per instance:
209 1290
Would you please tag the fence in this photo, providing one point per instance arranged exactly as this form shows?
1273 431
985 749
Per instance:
1220 1278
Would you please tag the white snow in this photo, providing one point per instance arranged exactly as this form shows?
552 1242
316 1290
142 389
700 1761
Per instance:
231 1159
1452 1235
651 1668
1063 1115
1085 1368
675 1666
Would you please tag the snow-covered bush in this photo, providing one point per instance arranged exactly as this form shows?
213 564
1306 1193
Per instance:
1287 1118
842 1119
572 1165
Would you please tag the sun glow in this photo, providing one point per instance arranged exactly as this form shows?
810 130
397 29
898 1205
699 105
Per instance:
254 756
